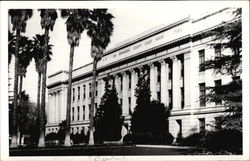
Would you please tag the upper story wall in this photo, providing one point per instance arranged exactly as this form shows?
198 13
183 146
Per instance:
154 39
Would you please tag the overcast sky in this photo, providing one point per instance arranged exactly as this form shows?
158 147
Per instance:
129 21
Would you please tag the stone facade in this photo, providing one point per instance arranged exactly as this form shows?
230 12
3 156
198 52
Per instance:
172 55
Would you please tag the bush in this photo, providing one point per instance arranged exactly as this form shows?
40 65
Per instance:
229 140
148 138
164 139
195 139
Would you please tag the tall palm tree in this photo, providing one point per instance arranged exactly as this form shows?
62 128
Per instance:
38 43
48 19
77 21
99 30
24 57
11 45
18 20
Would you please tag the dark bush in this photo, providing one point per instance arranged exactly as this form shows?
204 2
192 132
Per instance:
128 138
139 138
51 136
164 139
229 140
195 139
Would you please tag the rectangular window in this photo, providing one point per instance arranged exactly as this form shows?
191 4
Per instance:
218 123
129 83
121 102
78 91
73 94
202 94
90 90
170 98
217 51
202 125
84 91
217 84
129 103
159 96
89 110
73 113
83 112
121 83
179 122
202 59
96 89
182 68
170 71
182 97
158 74
78 113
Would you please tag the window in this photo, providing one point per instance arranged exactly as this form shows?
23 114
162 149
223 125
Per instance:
170 98
89 110
217 51
170 71
159 96
179 122
202 125
121 83
84 91
182 67
129 84
217 84
78 91
202 59
73 112
83 112
96 89
129 103
218 121
158 74
90 90
78 113
121 102
202 94
73 94
182 97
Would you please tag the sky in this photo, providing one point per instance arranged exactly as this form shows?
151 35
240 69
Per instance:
130 20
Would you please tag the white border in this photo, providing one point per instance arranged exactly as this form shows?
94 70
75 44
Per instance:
117 4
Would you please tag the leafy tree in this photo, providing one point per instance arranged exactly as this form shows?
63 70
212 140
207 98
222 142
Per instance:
76 23
18 20
149 116
228 36
48 19
100 29
108 121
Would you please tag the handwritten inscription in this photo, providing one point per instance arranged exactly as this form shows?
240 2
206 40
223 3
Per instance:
177 30
109 158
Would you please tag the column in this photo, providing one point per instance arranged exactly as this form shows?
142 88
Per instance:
125 109
50 109
59 107
134 80
164 80
56 107
176 83
187 90
153 81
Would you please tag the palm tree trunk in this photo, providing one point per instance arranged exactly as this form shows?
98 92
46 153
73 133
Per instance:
91 130
19 110
38 95
67 131
14 114
41 142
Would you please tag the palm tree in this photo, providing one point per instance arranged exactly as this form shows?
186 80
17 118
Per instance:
25 57
99 30
11 45
18 20
39 42
48 18
77 21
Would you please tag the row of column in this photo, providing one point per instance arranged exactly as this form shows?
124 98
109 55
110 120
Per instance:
55 107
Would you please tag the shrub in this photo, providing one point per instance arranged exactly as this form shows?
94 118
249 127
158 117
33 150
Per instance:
164 139
229 140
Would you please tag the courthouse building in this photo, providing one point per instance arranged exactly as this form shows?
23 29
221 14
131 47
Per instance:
172 54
